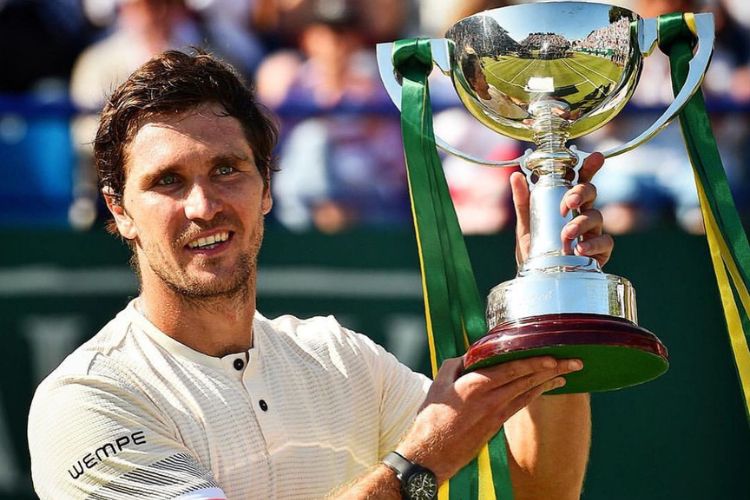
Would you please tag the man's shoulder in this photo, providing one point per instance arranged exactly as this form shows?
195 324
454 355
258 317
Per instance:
325 343
317 332
95 359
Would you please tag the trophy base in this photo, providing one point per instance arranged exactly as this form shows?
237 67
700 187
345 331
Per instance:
615 352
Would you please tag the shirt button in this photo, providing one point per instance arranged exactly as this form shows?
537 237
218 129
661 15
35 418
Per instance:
239 364
263 405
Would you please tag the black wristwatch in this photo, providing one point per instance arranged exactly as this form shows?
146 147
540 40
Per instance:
417 482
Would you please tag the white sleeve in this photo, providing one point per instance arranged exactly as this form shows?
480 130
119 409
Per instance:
91 438
402 393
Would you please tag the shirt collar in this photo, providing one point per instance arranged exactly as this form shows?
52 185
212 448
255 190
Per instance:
135 316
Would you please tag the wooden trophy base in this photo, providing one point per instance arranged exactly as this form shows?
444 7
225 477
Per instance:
615 352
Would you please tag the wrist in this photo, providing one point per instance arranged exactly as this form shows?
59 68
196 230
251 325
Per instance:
379 482
416 481
432 458
390 481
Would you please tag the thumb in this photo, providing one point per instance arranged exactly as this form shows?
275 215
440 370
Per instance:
520 191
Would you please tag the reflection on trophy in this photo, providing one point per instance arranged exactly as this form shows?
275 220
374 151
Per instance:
547 73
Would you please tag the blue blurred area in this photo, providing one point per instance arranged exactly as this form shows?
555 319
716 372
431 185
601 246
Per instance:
36 162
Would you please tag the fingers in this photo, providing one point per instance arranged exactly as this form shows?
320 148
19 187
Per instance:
592 243
588 223
518 376
579 197
591 166
521 392
598 247
538 379
450 370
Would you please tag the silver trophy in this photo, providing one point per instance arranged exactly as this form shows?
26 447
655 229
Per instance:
546 73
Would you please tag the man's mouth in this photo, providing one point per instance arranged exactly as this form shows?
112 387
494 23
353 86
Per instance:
209 242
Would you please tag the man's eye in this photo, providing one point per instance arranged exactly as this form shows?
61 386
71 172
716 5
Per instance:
167 180
225 170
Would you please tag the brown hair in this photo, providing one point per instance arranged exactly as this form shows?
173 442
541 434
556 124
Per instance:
176 82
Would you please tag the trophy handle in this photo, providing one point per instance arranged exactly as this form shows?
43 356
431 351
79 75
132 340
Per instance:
704 29
440 48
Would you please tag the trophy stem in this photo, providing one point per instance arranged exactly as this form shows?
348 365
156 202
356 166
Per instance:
552 170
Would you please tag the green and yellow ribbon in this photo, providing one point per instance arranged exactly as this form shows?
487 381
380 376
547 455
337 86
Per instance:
454 310
727 241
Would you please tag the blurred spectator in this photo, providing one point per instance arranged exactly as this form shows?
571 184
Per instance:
346 168
481 194
227 25
334 65
729 74
143 28
437 16
337 170
341 171
283 20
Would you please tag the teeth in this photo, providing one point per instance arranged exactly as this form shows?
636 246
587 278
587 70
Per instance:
209 240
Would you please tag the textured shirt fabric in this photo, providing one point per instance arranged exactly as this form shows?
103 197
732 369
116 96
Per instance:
135 414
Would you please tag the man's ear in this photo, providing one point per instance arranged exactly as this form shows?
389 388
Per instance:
267 202
124 223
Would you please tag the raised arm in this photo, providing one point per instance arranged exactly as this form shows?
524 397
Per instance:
549 439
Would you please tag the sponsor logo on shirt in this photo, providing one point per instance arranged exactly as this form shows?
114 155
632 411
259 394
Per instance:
106 450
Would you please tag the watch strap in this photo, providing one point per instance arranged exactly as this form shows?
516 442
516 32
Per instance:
404 469
400 465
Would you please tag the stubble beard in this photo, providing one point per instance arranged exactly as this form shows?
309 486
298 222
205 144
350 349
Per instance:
196 290
201 293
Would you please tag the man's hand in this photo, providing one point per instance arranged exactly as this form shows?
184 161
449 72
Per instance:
462 412
587 226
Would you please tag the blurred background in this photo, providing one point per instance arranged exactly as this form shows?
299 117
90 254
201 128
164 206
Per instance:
339 237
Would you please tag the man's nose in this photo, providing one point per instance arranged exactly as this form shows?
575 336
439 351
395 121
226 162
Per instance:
201 202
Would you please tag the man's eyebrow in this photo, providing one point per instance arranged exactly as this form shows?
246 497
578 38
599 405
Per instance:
231 158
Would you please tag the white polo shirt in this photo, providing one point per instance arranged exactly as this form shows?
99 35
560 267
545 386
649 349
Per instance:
135 414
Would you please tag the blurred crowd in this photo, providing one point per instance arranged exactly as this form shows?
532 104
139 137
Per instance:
340 158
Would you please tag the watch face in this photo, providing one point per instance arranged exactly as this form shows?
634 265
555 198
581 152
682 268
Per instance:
422 486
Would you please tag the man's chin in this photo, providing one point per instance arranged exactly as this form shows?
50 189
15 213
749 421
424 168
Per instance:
211 289
205 285
200 281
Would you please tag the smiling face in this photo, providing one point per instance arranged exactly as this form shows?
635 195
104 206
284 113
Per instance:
193 203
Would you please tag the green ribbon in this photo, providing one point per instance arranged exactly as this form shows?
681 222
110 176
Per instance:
454 309
677 41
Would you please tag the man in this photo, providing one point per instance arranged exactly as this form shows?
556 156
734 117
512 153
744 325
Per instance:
190 393
490 95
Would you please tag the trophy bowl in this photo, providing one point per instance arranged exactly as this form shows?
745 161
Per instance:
581 54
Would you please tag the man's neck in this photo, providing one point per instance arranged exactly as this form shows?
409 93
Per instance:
215 326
